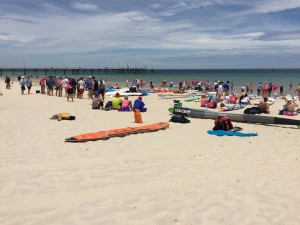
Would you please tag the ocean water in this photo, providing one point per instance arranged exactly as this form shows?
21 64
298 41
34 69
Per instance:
237 76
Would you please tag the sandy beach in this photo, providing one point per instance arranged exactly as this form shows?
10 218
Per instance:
181 175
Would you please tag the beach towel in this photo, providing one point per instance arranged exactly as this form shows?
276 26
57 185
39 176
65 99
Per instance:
230 133
230 108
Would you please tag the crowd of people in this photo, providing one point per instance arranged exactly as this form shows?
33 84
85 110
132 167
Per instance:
96 89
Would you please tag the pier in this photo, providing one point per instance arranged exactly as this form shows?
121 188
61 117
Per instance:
71 71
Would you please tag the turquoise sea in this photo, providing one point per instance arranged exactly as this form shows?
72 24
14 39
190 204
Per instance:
238 76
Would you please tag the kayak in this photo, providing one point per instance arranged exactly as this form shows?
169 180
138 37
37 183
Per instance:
244 118
121 132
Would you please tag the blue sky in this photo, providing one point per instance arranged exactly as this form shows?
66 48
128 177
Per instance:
154 34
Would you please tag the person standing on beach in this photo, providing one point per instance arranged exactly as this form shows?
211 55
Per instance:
64 84
275 89
281 90
70 91
291 85
270 89
43 81
243 88
58 87
22 83
7 81
251 88
50 84
89 87
226 87
259 89
220 91
102 89
247 89
28 84
80 85
265 90
95 87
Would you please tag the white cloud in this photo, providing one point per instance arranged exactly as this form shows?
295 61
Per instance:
84 6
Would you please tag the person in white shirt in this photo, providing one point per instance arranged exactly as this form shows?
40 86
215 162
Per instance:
220 92
80 86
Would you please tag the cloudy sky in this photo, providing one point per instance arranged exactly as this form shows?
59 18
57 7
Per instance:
155 34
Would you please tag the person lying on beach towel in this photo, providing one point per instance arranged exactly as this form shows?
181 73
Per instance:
62 116
230 108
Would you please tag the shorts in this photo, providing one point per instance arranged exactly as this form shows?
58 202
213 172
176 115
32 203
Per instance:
81 90
29 87
70 91
23 88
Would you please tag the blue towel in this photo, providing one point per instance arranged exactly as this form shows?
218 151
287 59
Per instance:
230 133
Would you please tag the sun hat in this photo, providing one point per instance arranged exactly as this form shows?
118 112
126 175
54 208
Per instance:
288 98
22 77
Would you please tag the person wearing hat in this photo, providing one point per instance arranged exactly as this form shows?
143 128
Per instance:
139 104
22 83
116 102
290 107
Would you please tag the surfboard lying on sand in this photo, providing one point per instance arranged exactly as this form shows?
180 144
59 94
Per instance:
121 132
244 118
192 99
113 93
173 95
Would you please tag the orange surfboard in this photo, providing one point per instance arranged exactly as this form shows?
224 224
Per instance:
121 132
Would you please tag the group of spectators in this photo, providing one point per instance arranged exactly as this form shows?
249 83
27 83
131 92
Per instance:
72 87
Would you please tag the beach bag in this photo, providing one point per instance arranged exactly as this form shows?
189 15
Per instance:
253 110
211 105
137 116
203 102
223 123
233 99
108 106
179 119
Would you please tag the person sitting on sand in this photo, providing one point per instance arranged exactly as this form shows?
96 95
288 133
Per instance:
126 105
116 102
97 102
139 104
264 106
211 103
244 100
290 107
233 99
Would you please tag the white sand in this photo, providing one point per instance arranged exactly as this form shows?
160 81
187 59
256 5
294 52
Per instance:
181 175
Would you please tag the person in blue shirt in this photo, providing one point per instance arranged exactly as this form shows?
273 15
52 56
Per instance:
139 104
